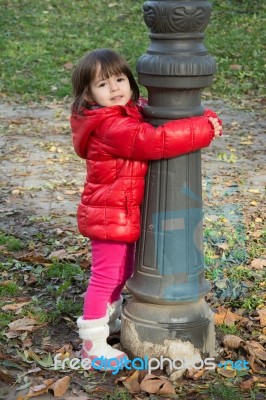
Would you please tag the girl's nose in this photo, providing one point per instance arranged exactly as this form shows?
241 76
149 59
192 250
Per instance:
113 86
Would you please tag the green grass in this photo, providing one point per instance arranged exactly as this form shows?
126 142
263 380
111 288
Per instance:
67 306
9 289
10 242
220 391
236 37
5 319
228 330
63 270
40 40
118 394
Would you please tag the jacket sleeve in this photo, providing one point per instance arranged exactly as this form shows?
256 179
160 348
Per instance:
141 141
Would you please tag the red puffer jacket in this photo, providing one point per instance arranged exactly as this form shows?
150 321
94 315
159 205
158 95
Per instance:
117 144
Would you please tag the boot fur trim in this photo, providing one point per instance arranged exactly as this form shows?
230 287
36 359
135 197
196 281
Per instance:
94 334
92 323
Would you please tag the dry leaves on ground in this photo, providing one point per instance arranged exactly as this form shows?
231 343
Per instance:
258 263
157 385
233 341
225 316
151 384
262 316
57 387
255 352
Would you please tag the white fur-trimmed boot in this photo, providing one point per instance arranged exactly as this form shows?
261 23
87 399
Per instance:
114 311
94 333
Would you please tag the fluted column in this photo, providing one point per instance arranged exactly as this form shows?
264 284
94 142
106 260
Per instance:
168 309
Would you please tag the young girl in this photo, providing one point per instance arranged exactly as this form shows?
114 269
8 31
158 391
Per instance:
109 132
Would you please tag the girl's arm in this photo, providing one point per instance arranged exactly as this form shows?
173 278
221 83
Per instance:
141 141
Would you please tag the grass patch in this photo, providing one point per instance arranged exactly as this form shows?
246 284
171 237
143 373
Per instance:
5 319
8 289
118 394
41 41
228 253
240 71
68 307
64 270
220 391
10 242
228 330
225 238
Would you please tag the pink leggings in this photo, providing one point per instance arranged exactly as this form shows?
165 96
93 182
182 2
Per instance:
112 266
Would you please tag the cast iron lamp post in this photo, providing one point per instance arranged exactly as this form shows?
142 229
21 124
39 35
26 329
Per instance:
167 314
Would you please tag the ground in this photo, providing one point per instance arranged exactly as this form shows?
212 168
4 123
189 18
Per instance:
41 182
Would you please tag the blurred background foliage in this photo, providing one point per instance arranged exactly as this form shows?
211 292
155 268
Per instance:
42 40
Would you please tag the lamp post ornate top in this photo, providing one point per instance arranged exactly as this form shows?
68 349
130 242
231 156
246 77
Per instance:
164 17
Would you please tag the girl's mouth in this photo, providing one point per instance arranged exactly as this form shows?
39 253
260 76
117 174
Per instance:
116 98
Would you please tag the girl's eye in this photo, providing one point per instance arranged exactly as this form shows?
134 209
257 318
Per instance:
102 84
120 79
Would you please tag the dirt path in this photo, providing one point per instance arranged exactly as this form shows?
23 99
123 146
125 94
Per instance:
41 176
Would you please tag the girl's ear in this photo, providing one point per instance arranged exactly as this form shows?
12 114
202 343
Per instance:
87 96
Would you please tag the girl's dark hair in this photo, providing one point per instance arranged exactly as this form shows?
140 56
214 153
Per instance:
110 63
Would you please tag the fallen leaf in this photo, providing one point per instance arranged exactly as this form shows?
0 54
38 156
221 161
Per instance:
76 398
255 349
258 263
60 254
248 383
230 318
235 67
45 362
16 121
227 373
225 316
256 191
132 383
60 386
5 376
194 373
34 258
246 142
68 65
220 316
23 324
262 315
233 341
38 389
70 192
17 191
156 384
12 334
15 306
251 360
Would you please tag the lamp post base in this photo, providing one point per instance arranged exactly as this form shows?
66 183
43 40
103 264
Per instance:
176 331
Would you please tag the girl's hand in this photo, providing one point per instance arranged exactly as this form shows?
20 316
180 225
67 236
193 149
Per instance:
217 126
215 121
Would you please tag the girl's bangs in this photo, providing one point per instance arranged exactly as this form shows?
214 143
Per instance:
109 68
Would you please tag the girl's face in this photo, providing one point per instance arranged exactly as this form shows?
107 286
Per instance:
111 91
